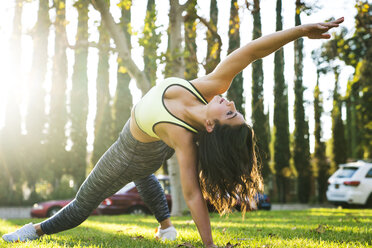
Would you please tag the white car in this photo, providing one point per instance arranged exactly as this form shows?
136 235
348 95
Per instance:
351 184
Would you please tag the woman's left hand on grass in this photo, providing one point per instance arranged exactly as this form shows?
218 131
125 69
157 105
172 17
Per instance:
319 30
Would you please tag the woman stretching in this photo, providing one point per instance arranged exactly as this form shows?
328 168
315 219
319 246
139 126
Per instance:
214 146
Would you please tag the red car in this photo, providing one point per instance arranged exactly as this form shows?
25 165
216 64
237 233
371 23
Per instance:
126 200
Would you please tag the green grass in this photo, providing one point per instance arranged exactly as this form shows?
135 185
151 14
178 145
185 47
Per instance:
308 228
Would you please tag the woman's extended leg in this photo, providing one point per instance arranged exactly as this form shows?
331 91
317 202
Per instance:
153 195
105 179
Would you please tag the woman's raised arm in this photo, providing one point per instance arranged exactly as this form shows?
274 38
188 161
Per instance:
220 79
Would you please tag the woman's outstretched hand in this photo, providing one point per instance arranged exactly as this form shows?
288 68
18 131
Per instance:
319 30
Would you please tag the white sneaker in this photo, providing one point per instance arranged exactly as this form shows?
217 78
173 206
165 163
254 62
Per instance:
169 233
27 232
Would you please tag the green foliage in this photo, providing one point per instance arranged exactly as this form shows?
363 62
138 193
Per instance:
281 122
301 149
357 52
326 228
259 119
235 91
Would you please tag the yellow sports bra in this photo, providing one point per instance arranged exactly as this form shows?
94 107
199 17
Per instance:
151 110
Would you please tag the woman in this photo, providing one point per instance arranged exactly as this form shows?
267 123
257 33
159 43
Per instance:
195 122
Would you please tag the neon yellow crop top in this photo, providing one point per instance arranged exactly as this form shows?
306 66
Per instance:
151 110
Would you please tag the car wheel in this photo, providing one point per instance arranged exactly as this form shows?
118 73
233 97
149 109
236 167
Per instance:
137 210
53 211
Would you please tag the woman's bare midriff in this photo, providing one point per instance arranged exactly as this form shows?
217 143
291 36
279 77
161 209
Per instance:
137 133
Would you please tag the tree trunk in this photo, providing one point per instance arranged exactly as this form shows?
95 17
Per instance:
103 122
56 139
214 46
79 97
191 61
10 139
235 91
259 119
36 117
301 153
150 42
175 67
281 125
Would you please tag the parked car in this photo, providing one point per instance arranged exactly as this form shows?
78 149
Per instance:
126 201
48 208
351 185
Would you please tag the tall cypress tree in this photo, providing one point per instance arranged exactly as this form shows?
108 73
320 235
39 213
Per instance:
123 98
259 119
56 139
339 149
301 153
191 62
79 96
281 123
213 46
321 165
150 42
235 91
103 121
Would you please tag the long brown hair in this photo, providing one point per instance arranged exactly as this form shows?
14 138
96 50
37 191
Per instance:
228 168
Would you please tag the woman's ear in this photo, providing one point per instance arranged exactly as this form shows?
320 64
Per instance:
209 126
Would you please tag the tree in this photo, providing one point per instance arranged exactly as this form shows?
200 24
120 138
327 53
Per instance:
321 166
122 46
103 122
191 61
213 40
79 97
259 119
357 52
339 150
150 42
235 91
319 151
10 136
281 125
123 98
301 149
56 139
36 117
175 67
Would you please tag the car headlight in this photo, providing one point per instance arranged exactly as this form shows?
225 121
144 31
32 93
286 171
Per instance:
37 207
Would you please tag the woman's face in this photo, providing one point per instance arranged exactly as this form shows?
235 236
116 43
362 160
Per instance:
224 111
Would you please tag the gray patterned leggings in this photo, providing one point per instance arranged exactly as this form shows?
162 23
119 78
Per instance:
126 160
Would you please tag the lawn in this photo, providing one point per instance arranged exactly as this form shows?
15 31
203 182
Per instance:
308 228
